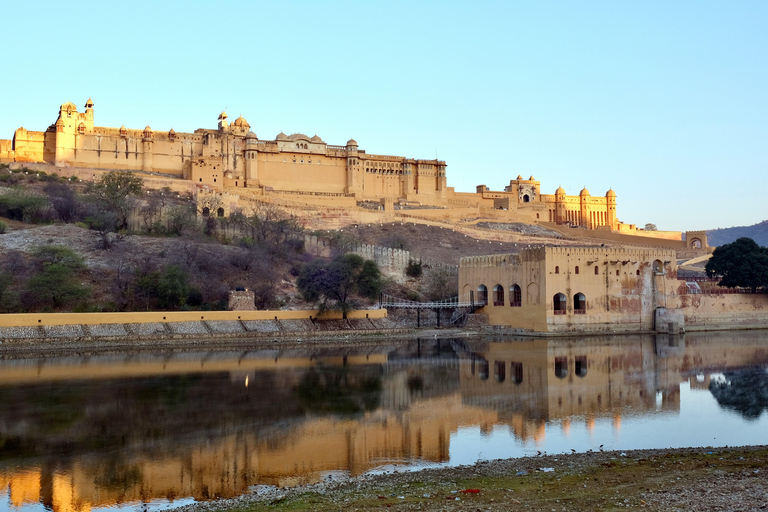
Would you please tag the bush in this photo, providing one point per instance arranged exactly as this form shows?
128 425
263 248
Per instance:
27 208
3 227
413 269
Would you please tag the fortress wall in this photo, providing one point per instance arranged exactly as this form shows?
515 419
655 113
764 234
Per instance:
604 234
665 235
324 174
330 201
392 261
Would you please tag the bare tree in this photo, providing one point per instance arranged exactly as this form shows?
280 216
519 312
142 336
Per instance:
441 282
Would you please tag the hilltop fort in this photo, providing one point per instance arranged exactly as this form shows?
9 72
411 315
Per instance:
232 159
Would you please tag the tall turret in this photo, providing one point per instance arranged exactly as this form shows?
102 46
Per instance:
223 124
560 208
251 162
88 116
610 200
146 148
584 208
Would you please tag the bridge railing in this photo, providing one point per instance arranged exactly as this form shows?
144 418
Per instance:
390 302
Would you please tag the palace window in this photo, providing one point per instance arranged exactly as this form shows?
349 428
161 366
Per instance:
498 295
596 270
515 296
557 269
576 270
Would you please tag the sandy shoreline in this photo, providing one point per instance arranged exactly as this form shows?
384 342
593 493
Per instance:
659 479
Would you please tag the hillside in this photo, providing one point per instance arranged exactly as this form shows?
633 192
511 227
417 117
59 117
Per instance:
757 232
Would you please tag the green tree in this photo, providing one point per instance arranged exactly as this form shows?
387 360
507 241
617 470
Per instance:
56 282
115 192
742 263
173 287
333 284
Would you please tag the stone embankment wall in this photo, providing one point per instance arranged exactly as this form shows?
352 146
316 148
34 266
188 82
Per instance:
190 325
712 312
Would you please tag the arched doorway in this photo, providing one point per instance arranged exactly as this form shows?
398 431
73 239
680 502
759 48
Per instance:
579 304
482 295
559 303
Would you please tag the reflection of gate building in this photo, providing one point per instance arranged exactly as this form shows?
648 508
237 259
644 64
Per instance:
531 383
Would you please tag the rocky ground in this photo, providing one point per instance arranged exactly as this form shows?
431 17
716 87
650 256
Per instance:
703 479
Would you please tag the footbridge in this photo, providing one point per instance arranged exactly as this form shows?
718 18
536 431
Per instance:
461 306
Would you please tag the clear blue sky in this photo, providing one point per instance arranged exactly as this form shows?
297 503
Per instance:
666 102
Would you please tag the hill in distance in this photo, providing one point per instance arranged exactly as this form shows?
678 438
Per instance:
757 232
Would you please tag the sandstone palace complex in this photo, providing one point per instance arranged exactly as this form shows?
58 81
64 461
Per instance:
234 159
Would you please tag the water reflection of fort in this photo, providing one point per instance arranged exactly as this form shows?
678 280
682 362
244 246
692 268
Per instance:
88 433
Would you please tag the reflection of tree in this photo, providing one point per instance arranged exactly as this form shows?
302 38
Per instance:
118 476
336 390
744 391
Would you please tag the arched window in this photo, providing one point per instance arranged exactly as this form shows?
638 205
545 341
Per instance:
579 304
596 270
559 303
638 272
557 269
658 267
498 295
526 198
206 211
576 270
220 212
482 295
617 271
515 296
500 371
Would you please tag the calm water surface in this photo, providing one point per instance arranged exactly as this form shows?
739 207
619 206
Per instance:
155 430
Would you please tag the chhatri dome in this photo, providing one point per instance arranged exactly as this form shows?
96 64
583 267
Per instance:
610 193
584 192
560 191
240 121
351 142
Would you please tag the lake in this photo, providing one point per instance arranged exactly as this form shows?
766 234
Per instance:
151 430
